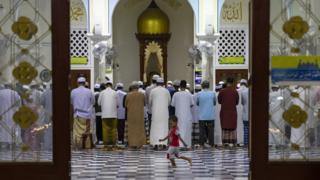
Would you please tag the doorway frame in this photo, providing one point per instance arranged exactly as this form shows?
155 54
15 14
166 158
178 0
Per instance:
60 167
260 166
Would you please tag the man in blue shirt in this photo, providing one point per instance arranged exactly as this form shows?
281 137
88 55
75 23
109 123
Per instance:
206 101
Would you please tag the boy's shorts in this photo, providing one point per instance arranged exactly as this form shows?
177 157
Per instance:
172 152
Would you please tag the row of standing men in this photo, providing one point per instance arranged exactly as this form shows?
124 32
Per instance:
143 114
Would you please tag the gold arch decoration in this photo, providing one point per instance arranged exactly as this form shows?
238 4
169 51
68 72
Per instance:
152 47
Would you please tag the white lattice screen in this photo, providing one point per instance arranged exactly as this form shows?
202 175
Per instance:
233 42
79 43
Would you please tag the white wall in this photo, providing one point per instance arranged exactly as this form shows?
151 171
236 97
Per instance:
127 46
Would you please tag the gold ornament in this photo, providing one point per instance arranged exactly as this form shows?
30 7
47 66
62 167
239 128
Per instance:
25 96
24 148
295 146
25 117
295 94
25 72
295 116
153 21
24 28
296 27
295 50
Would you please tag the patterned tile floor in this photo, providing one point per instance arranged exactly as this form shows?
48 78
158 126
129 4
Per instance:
149 164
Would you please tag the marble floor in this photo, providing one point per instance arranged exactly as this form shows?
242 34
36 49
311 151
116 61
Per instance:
213 164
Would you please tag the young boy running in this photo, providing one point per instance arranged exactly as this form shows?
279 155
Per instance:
174 138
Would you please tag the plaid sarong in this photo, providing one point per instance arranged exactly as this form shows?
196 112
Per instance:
229 136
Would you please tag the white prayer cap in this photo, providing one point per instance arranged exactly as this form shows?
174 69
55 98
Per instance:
275 86
97 86
33 83
221 82
155 77
188 85
140 83
244 81
160 80
176 83
170 82
119 85
26 87
197 87
218 87
109 82
81 79
135 83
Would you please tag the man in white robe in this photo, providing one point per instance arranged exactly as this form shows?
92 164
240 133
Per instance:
183 103
244 101
276 111
9 103
195 116
46 102
217 125
159 102
147 100
298 134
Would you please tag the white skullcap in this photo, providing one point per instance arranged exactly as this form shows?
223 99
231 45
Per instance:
26 87
81 79
244 81
275 86
170 82
221 82
219 87
97 86
109 82
197 87
160 80
119 85
155 77
188 85
33 83
140 83
176 83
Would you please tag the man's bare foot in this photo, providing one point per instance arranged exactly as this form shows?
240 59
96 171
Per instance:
173 166
190 162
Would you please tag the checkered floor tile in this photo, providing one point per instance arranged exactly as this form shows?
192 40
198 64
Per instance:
149 164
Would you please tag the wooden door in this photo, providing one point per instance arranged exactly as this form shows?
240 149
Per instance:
44 39
287 159
236 74
75 74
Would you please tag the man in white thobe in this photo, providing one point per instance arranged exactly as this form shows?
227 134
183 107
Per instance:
108 100
244 101
183 103
195 116
9 103
276 111
159 101
298 134
46 102
217 123
147 99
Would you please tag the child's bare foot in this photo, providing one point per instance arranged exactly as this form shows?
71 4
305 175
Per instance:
190 162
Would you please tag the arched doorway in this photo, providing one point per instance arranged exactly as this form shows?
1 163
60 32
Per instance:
125 42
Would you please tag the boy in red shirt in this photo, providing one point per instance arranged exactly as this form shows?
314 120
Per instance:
174 138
